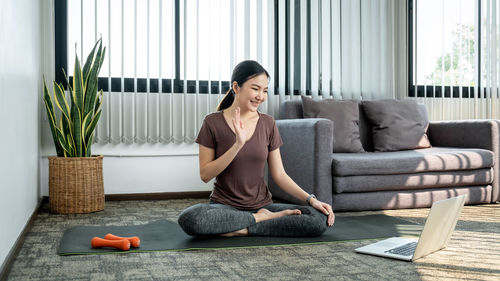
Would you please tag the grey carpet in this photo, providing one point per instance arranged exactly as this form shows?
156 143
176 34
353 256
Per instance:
163 235
472 253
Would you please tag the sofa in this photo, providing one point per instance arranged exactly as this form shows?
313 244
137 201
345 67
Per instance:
463 159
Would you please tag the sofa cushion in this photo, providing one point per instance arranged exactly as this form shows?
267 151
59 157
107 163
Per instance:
291 109
411 161
396 124
345 117
412 181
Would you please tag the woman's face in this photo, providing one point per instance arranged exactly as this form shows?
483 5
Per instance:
252 93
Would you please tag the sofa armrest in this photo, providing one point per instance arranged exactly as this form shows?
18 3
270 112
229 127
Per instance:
467 133
307 157
470 134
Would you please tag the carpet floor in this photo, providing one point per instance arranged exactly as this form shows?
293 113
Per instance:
472 254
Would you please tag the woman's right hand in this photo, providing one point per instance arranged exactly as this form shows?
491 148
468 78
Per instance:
239 129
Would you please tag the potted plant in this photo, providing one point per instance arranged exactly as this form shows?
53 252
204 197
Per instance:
75 175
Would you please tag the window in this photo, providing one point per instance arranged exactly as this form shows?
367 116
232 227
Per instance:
443 48
168 49
161 43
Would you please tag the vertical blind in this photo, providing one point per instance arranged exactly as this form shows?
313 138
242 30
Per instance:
489 55
460 81
344 49
169 62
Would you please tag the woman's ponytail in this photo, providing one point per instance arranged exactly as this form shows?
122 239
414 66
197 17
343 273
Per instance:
227 101
241 73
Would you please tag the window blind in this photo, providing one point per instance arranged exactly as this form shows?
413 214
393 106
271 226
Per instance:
460 80
344 49
168 62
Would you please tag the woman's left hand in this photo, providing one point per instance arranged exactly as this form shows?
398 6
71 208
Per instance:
325 209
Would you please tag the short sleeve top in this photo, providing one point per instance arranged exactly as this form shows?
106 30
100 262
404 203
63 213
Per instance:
241 184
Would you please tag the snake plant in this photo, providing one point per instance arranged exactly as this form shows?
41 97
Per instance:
74 132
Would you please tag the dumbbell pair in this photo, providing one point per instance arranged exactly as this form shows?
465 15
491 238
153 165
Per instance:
113 241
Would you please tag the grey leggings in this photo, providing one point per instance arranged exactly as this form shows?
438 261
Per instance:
213 219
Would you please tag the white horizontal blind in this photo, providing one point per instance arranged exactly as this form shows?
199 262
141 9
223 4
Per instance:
140 37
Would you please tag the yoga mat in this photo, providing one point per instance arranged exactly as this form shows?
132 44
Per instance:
164 235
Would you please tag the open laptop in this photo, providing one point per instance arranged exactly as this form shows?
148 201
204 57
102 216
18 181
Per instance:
437 231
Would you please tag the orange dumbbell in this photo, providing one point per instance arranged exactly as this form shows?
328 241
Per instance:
134 241
122 244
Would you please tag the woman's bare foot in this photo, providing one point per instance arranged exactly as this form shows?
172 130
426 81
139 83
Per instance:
262 215
265 214
241 232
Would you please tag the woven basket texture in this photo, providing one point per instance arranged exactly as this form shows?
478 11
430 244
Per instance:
76 184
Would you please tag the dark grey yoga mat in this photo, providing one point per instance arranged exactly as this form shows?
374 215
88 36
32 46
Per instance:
164 235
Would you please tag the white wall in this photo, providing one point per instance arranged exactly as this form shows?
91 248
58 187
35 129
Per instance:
142 168
20 90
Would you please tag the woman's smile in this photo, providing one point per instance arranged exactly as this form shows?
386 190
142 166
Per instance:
255 103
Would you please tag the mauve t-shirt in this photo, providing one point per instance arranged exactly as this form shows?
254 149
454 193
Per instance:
241 184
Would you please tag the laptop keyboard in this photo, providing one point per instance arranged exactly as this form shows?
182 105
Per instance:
404 250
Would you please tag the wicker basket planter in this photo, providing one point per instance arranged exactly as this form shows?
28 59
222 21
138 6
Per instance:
76 185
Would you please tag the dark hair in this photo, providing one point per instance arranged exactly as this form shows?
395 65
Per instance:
243 71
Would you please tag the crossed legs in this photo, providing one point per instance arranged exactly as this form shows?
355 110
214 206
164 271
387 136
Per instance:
271 220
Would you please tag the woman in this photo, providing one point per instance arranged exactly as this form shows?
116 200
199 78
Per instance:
234 144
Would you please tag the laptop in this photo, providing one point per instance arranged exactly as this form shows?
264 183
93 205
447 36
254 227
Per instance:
437 231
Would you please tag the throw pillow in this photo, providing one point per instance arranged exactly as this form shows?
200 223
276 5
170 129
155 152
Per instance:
345 117
396 124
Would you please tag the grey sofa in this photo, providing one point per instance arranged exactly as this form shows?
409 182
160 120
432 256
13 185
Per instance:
463 160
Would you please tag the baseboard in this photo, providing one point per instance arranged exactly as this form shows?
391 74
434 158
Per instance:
9 260
152 196
158 195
